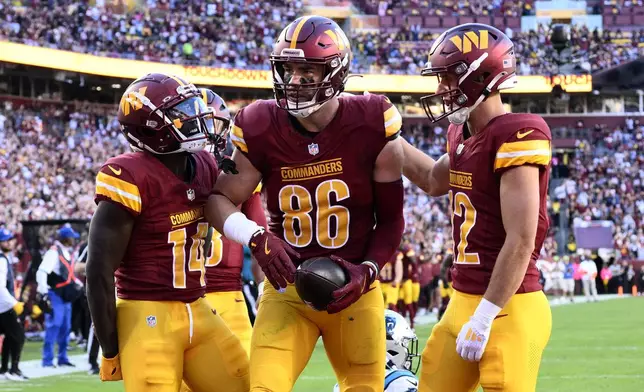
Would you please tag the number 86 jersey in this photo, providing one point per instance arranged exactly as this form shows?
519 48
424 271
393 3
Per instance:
319 186
476 166
164 260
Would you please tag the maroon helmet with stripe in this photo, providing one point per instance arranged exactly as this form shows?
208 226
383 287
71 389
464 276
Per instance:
310 40
471 61
164 114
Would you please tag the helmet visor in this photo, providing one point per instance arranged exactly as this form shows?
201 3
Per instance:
192 119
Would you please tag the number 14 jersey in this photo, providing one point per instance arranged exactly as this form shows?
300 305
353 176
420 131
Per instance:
476 165
164 260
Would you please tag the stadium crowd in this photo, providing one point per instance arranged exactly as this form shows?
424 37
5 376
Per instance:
201 32
404 51
49 157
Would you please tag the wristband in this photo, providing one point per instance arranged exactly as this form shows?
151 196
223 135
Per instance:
240 229
486 311
373 269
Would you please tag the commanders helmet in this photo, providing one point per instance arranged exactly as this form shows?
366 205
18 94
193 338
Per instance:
471 61
164 114
311 40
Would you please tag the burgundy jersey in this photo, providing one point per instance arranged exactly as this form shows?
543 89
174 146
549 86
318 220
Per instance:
226 259
164 259
319 190
388 272
408 262
476 166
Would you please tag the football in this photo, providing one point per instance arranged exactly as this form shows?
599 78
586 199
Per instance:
316 279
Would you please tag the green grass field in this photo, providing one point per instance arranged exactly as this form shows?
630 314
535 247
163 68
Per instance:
596 347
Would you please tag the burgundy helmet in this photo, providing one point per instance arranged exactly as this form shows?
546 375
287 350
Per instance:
476 60
164 114
311 40
221 116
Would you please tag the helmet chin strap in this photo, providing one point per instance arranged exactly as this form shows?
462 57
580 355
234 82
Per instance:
303 113
463 114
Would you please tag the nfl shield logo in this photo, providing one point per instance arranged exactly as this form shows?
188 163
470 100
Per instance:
152 321
314 149
191 194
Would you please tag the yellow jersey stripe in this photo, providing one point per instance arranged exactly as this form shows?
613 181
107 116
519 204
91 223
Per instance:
527 145
237 132
543 160
239 144
393 121
118 195
119 184
176 79
389 113
296 33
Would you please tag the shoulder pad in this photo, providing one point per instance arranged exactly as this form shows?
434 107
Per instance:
116 181
250 122
523 139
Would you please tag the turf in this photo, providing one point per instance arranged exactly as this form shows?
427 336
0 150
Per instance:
596 347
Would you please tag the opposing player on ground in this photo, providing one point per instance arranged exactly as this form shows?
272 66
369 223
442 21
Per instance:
148 232
496 174
331 168
402 355
390 280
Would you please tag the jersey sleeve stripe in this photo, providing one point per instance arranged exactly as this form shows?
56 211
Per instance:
258 189
527 145
237 137
509 159
119 191
393 121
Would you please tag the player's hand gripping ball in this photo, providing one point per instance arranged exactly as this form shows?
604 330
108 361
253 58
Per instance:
316 279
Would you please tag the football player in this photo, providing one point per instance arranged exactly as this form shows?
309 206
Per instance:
330 168
445 290
148 232
225 258
407 286
402 355
390 279
496 173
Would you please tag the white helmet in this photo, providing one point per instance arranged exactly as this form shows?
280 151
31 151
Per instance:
396 381
402 343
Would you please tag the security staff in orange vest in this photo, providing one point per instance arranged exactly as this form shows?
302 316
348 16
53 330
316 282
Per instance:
56 281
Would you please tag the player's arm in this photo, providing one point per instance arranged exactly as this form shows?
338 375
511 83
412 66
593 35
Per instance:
230 191
429 175
109 235
252 208
385 238
520 220
272 254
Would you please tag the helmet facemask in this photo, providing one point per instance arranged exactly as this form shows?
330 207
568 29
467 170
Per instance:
182 122
466 93
305 98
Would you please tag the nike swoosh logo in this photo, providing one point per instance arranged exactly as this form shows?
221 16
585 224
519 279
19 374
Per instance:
524 134
117 172
499 316
239 300
266 250
414 383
